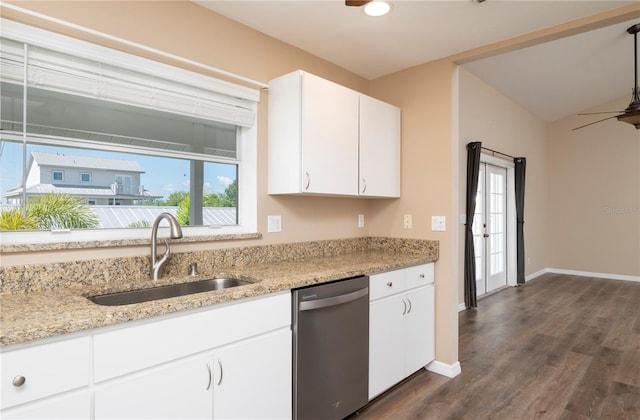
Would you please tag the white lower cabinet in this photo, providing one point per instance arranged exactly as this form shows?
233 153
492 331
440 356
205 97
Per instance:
401 325
46 380
183 389
252 378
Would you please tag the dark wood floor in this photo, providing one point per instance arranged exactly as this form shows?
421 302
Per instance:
560 347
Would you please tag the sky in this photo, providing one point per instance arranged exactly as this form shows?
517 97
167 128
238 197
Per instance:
162 175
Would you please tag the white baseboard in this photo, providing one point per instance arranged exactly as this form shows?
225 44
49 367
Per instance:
444 369
536 274
595 275
461 306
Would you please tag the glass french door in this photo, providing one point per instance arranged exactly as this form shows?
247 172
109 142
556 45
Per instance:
490 229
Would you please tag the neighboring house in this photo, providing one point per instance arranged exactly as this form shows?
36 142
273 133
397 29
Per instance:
99 181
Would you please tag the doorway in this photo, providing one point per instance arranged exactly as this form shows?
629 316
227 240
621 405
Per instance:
491 228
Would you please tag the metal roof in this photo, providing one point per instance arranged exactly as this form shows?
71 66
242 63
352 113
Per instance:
77 191
85 162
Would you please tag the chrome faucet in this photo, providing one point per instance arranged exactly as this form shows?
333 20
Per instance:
175 233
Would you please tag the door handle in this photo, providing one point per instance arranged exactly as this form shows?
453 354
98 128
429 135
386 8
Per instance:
221 372
486 235
364 182
332 301
210 376
306 187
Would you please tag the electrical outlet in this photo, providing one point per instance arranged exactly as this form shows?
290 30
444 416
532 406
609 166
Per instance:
438 223
274 223
361 220
408 221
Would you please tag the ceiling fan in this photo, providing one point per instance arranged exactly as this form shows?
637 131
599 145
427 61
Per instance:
631 114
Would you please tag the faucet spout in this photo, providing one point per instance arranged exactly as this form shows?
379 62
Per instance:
175 232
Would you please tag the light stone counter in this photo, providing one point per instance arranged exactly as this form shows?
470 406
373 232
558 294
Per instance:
45 301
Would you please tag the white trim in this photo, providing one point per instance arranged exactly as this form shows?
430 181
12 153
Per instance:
128 43
536 274
445 369
607 276
461 306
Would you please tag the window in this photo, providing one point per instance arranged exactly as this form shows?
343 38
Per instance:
148 141
85 177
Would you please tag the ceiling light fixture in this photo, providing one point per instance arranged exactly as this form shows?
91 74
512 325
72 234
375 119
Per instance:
377 8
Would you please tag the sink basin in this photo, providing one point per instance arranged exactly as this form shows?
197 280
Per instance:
163 292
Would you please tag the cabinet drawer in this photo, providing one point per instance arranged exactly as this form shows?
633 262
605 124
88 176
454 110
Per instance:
419 275
133 348
47 369
386 284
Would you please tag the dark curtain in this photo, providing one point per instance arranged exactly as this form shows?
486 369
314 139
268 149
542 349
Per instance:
520 171
473 170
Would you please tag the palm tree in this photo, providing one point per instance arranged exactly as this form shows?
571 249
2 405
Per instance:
61 211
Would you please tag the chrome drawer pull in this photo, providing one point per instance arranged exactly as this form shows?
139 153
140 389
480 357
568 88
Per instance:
209 370
404 302
409 300
390 284
220 365
19 381
422 275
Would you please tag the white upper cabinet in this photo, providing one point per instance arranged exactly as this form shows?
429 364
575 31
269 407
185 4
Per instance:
330 140
379 148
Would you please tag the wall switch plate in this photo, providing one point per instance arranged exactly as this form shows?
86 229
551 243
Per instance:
408 221
274 223
361 220
438 223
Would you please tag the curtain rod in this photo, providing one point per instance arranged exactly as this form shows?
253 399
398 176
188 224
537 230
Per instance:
134 44
500 153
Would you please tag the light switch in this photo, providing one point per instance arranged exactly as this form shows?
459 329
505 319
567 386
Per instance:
274 223
438 223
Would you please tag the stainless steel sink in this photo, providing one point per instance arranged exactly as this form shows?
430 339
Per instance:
163 292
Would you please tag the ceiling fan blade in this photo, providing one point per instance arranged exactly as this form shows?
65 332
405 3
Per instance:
595 122
356 3
603 112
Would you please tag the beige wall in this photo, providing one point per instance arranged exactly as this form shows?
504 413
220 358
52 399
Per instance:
424 94
500 124
594 194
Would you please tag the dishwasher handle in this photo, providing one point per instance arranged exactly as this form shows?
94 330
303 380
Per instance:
333 301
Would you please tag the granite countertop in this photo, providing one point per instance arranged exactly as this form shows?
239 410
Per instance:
35 315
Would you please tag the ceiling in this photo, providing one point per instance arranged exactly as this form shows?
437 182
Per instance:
571 74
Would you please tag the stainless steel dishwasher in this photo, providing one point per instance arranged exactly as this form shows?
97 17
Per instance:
330 349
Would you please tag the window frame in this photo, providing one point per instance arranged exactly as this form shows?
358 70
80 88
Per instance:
53 175
88 181
246 160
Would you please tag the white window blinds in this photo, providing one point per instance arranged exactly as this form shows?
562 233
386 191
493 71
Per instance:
70 66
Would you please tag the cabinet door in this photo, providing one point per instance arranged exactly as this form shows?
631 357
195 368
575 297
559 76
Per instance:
181 389
379 148
386 344
252 378
419 328
329 137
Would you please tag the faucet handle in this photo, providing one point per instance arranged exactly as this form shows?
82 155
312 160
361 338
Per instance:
193 269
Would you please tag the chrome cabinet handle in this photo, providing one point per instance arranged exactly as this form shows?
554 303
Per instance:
421 275
364 182
409 300
308 181
390 284
404 302
210 376
19 381
220 366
